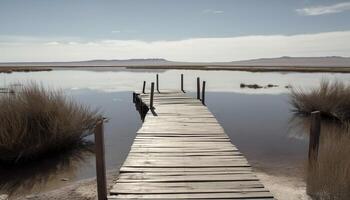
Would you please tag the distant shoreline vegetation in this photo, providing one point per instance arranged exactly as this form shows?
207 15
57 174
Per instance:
286 69
36 122
9 70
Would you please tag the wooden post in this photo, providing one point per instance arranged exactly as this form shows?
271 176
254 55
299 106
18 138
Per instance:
315 130
151 97
198 88
144 87
133 97
203 93
182 83
157 82
100 162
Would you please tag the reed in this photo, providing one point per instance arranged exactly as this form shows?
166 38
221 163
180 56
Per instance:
329 177
331 98
36 122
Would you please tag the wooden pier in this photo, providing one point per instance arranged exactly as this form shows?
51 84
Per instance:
182 152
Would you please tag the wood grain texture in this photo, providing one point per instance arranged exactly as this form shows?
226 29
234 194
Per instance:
182 152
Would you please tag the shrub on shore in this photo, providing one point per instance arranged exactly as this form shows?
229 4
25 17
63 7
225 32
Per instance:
330 98
35 122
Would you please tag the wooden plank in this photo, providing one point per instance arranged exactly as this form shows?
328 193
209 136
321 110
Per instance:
233 195
182 152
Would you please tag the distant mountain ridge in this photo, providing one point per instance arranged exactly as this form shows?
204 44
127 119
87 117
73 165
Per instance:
332 61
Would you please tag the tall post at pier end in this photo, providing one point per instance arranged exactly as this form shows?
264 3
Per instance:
152 95
144 87
198 88
203 93
182 83
157 82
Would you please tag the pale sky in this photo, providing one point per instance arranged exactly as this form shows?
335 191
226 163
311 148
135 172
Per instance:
179 30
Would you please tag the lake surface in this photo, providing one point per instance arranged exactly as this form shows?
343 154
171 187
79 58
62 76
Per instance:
258 121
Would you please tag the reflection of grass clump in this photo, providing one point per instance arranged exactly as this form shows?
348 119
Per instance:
331 99
35 122
329 178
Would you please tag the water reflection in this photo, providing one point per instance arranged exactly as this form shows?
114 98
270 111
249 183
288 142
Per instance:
259 125
113 80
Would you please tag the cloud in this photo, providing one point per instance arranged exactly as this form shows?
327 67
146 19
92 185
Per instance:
193 49
209 11
116 31
322 10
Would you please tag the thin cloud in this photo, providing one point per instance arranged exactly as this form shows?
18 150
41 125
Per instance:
323 10
210 11
116 31
194 49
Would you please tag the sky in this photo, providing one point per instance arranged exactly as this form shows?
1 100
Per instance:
179 30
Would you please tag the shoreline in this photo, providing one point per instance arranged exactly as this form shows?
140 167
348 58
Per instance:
301 69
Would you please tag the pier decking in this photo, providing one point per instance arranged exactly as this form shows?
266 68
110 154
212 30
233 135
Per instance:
182 152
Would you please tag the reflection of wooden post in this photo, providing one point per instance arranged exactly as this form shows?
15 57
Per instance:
203 93
100 162
144 87
198 88
315 130
157 82
151 97
182 83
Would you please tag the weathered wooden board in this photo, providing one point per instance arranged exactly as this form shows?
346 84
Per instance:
182 152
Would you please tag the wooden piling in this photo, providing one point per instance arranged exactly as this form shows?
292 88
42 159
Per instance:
182 83
133 97
315 130
100 161
144 87
203 93
157 82
152 95
198 88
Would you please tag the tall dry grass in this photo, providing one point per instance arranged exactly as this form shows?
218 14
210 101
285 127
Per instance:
331 98
36 122
329 177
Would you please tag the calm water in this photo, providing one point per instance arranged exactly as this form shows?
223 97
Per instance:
257 121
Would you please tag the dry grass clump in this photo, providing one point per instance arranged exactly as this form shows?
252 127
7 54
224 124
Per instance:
329 178
35 122
330 98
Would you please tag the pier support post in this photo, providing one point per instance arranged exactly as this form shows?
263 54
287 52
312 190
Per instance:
182 83
315 130
203 93
100 161
157 82
133 97
151 97
144 87
198 88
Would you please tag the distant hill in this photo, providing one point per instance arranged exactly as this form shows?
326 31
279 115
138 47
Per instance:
333 61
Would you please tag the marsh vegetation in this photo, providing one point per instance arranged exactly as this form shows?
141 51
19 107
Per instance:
331 98
328 177
36 122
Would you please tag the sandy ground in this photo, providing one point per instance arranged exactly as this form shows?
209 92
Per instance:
80 190
282 187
